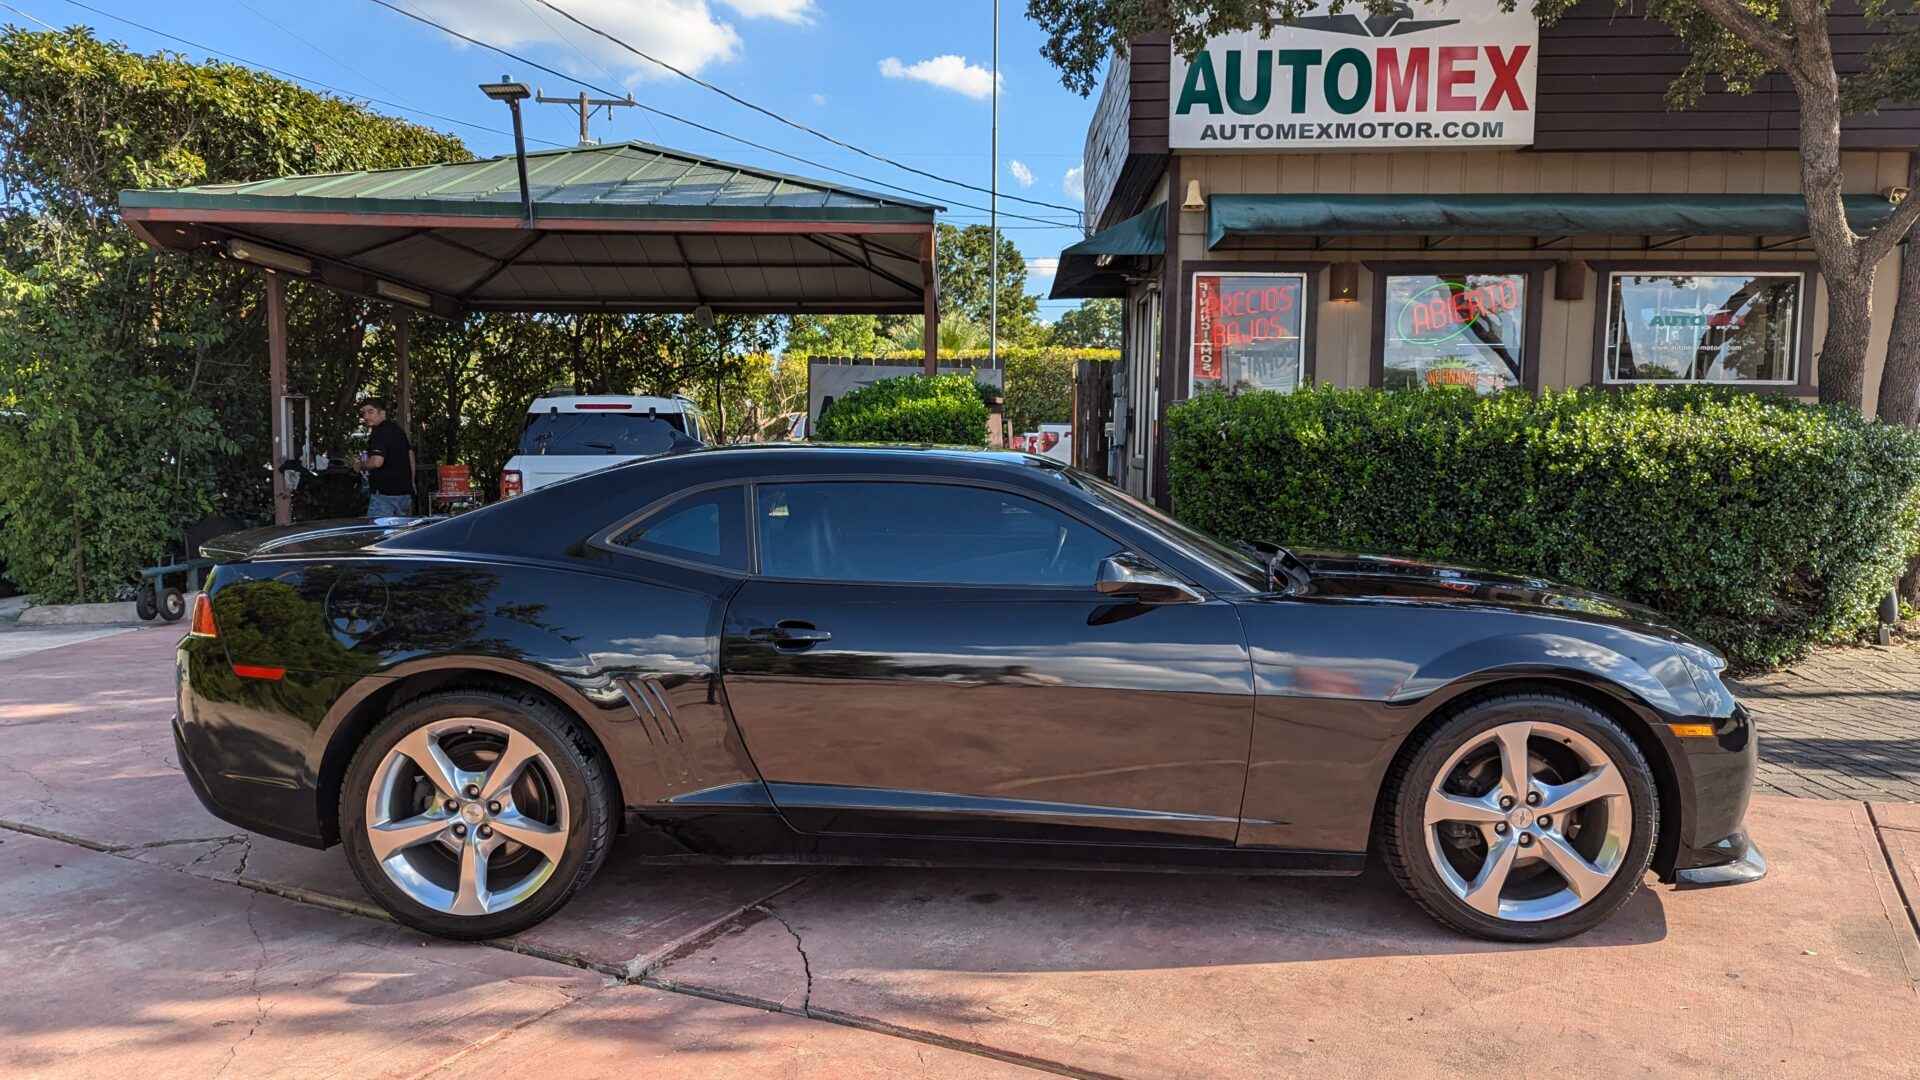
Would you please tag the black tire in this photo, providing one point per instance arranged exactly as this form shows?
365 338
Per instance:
144 603
581 766
172 604
1401 830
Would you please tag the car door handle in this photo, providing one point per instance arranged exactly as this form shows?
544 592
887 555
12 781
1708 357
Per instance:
791 633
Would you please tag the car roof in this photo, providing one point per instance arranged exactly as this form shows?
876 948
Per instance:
633 402
863 456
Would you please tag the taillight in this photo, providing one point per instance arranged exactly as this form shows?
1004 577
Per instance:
203 618
510 484
1049 440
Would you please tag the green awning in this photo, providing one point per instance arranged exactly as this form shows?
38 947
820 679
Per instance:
1240 217
1087 269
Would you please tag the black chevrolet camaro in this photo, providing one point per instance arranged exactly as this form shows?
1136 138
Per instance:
840 654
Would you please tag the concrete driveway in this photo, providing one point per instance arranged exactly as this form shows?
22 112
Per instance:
144 937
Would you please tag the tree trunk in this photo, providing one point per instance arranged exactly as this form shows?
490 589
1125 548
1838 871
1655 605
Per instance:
1899 401
1843 355
1900 382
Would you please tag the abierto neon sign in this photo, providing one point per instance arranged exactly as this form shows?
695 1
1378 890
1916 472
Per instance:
1434 75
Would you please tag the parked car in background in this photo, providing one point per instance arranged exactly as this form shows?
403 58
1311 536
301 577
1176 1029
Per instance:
823 653
570 435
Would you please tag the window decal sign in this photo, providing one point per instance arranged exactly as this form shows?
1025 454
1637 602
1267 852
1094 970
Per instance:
1424 74
1247 329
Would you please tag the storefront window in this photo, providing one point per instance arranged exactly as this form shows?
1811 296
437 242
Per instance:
1248 331
1722 328
1464 331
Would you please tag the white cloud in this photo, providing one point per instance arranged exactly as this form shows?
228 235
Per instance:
1073 184
948 72
1043 268
819 99
1020 172
790 11
684 33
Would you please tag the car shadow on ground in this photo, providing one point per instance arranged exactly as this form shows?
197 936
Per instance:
1021 920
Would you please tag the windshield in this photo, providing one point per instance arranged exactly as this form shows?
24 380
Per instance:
1198 544
600 433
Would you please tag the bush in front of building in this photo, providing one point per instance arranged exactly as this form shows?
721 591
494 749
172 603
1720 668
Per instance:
1038 380
1759 524
942 409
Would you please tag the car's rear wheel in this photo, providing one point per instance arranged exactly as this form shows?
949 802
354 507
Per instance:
473 814
1527 817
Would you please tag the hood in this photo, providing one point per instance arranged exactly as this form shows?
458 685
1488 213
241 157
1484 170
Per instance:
307 538
1349 575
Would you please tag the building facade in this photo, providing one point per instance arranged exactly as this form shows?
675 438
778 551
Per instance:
1452 196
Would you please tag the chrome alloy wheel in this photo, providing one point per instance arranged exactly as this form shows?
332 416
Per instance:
1528 821
467 816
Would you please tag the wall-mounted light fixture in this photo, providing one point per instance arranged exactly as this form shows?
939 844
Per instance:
1194 201
1343 283
1569 280
261 255
403 294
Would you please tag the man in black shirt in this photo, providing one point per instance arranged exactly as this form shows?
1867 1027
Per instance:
388 463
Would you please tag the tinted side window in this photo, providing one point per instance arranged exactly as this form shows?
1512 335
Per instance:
709 527
936 533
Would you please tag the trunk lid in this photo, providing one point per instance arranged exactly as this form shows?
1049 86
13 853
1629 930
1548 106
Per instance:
306 538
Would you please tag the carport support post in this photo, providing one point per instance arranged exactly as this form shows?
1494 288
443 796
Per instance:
277 392
402 323
930 290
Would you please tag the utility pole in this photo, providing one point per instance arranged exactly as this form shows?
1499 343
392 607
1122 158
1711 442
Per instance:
585 106
993 211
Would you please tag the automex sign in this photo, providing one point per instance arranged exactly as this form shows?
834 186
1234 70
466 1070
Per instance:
1427 74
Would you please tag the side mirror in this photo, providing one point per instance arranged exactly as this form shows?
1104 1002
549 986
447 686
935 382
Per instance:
1129 577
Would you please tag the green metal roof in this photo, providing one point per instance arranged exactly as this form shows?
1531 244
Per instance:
627 180
621 227
1249 217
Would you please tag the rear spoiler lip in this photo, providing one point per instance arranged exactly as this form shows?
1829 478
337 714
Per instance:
254 543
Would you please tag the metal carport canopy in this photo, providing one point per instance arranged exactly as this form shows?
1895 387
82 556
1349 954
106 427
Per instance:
624 227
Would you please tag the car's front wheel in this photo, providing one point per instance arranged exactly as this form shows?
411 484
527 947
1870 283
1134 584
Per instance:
1527 817
472 814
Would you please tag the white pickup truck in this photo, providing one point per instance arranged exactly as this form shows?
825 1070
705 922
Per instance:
567 436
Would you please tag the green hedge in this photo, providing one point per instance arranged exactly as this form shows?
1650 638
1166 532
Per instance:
944 409
1039 381
1759 524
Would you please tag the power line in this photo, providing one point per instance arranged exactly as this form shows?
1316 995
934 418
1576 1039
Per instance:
795 124
211 51
578 81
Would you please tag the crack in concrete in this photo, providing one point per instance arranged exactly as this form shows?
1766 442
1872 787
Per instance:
650 981
1886 856
806 965
261 1010
151 844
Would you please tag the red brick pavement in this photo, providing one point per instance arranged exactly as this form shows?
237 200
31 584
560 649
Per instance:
1842 724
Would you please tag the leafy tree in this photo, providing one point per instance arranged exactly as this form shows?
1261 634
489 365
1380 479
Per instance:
1734 43
834 335
136 380
1095 324
963 259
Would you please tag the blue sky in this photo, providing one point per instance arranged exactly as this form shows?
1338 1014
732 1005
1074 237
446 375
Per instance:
905 78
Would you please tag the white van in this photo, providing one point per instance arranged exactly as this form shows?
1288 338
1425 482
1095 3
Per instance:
567 436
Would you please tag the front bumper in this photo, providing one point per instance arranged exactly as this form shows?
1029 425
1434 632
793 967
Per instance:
1745 864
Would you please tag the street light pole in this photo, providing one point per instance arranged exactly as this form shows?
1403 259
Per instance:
993 211
513 94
